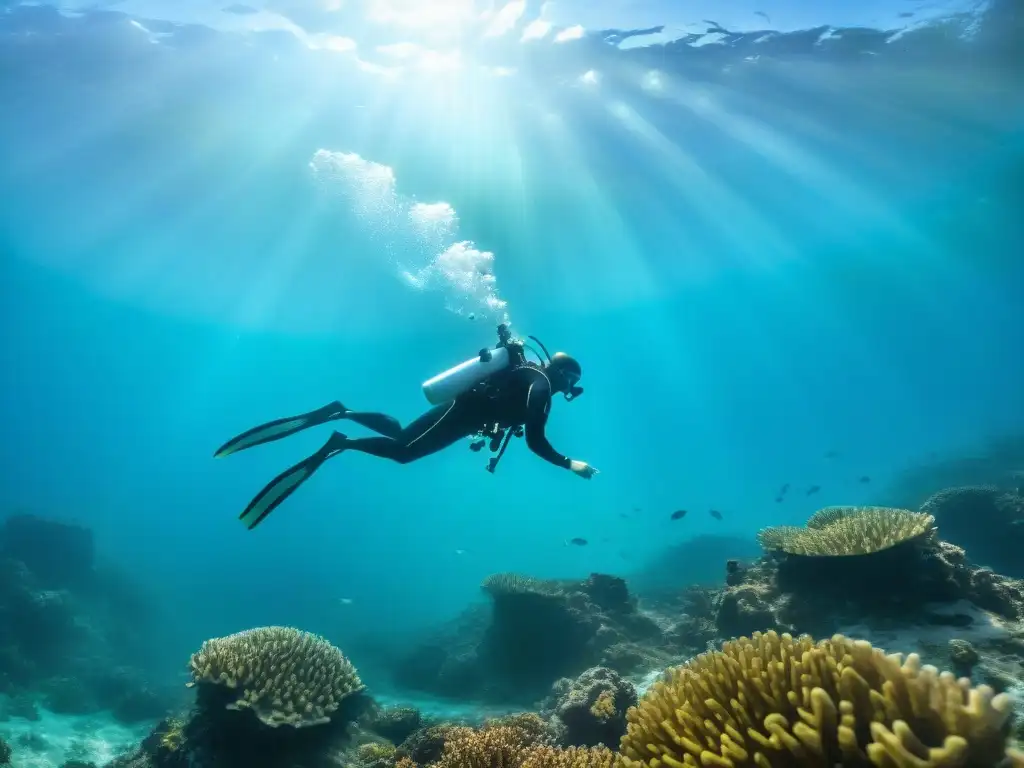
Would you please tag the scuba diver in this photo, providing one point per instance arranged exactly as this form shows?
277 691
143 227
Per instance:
496 395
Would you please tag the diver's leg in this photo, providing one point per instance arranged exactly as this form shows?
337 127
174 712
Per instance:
435 430
285 484
279 428
380 423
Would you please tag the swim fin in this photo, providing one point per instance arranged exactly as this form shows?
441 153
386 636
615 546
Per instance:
275 430
282 486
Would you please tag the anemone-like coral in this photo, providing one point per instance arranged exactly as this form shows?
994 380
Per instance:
842 531
285 676
772 701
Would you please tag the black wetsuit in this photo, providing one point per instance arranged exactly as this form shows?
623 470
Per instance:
520 397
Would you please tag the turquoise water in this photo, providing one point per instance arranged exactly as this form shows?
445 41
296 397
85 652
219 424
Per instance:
763 248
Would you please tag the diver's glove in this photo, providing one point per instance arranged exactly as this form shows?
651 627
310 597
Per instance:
582 469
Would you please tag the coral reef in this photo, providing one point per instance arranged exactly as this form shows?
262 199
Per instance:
265 697
775 701
872 565
591 709
283 675
535 633
5 753
986 521
839 531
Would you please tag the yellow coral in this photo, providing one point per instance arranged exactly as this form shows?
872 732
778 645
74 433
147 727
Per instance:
285 676
406 762
573 757
772 701
500 746
843 531
604 707
172 738
532 725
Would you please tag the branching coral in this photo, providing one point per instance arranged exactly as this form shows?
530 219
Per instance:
604 707
534 729
573 757
840 531
285 676
773 701
497 747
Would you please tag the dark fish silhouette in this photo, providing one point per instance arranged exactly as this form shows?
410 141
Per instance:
624 515
715 514
813 490
865 479
778 499
577 542
679 514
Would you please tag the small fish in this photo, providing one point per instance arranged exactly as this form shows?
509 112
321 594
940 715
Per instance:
679 514
865 479
813 490
779 499
577 542
831 454
624 515
345 600
472 316
715 514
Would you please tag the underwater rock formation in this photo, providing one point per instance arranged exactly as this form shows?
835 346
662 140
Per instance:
535 633
591 709
984 520
72 649
59 555
1000 464
395 724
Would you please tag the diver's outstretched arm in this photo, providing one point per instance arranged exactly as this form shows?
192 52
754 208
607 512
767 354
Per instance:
285 484
275 430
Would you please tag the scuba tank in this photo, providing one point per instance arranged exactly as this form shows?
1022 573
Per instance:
463 377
